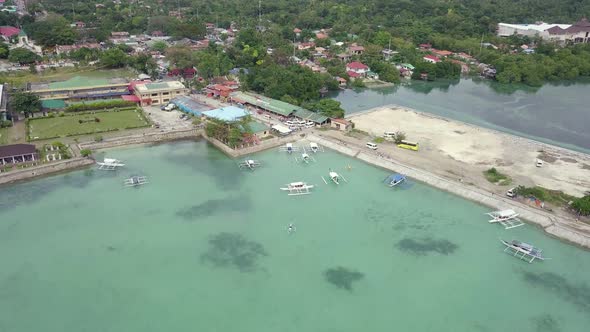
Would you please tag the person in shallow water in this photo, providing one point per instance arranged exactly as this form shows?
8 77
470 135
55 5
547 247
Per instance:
291 228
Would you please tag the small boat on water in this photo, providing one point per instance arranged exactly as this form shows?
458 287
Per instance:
110 164
395 179
298 188
507 218
523 250
289 148
135 181
315 148
249 164
335 177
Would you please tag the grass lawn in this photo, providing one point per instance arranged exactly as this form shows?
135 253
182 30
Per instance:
4 135
69 125
20 78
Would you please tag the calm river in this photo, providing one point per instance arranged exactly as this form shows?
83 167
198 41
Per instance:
556 113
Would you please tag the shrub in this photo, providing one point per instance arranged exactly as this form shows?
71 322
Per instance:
62 114
98 138
5 124
99 105
85 152
51 115
379 140
399 137
582 205
496 177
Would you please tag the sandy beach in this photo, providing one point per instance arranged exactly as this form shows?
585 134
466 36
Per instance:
463 151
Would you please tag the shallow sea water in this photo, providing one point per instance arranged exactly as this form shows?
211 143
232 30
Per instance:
204 246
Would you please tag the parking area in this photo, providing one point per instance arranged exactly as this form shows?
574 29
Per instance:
173 120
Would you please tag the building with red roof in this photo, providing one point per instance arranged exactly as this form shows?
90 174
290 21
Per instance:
7 32
442 53
358 69
431 58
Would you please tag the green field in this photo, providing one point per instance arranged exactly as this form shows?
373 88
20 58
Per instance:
69 125
4 136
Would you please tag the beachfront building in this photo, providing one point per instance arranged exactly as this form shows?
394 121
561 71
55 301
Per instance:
578 32
17 153
159 93
81 89
341 124
259 104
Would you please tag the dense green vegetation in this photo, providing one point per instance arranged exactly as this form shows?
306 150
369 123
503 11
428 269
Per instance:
25 103
230 133
550 196
496 177
455 25
582 205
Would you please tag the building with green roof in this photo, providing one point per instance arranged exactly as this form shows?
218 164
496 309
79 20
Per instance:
81 88
277 107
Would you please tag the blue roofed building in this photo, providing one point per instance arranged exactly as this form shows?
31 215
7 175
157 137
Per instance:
227 114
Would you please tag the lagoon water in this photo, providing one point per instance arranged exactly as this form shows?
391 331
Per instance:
204 246
555 113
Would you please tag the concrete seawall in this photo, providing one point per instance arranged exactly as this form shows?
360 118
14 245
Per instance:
141 139
46 169
263 145
561 228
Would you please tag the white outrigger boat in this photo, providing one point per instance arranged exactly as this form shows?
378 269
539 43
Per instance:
394 179
523 251
335 177
305 157
109 164
289 148
298 188
315 148
507 218
249 164
135 181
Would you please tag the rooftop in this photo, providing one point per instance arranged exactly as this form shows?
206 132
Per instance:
149 87
310 116
257 127
77 83
229 113
16 150
269 104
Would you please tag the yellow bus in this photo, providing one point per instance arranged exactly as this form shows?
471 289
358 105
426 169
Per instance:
408 145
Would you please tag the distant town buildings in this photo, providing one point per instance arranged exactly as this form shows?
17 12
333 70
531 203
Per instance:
578 32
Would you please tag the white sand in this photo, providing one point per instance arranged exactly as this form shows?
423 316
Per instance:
465 151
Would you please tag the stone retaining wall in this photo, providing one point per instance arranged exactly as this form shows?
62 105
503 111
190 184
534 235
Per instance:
45 169
141 139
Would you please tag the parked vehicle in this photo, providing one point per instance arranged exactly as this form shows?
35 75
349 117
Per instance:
371 145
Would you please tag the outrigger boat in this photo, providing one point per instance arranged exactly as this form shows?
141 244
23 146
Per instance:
110 164
298 188
249 164
289 148
335 177
507 218
315 148
523 251
135 181
394 179
305 157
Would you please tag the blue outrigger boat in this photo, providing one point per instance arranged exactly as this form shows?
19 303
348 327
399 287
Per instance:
394 179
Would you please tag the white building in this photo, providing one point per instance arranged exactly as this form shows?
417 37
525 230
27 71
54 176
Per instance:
560 33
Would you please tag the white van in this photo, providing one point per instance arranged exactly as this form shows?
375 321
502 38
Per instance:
389 135
372 146
511 193
539 163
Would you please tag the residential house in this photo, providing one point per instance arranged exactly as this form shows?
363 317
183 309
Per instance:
357 69
442 53
388 54
321 35
17 153
8 32
341 81
157 33
65 49
425 47
297 32
78 25
344 57
431 58
464 66
355 49
305 46
341 124
464 56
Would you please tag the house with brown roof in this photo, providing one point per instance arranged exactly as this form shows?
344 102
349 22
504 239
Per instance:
576 33
341 124
17 153
355 49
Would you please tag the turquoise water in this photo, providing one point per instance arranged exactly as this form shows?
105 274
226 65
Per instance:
204 246
555 113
